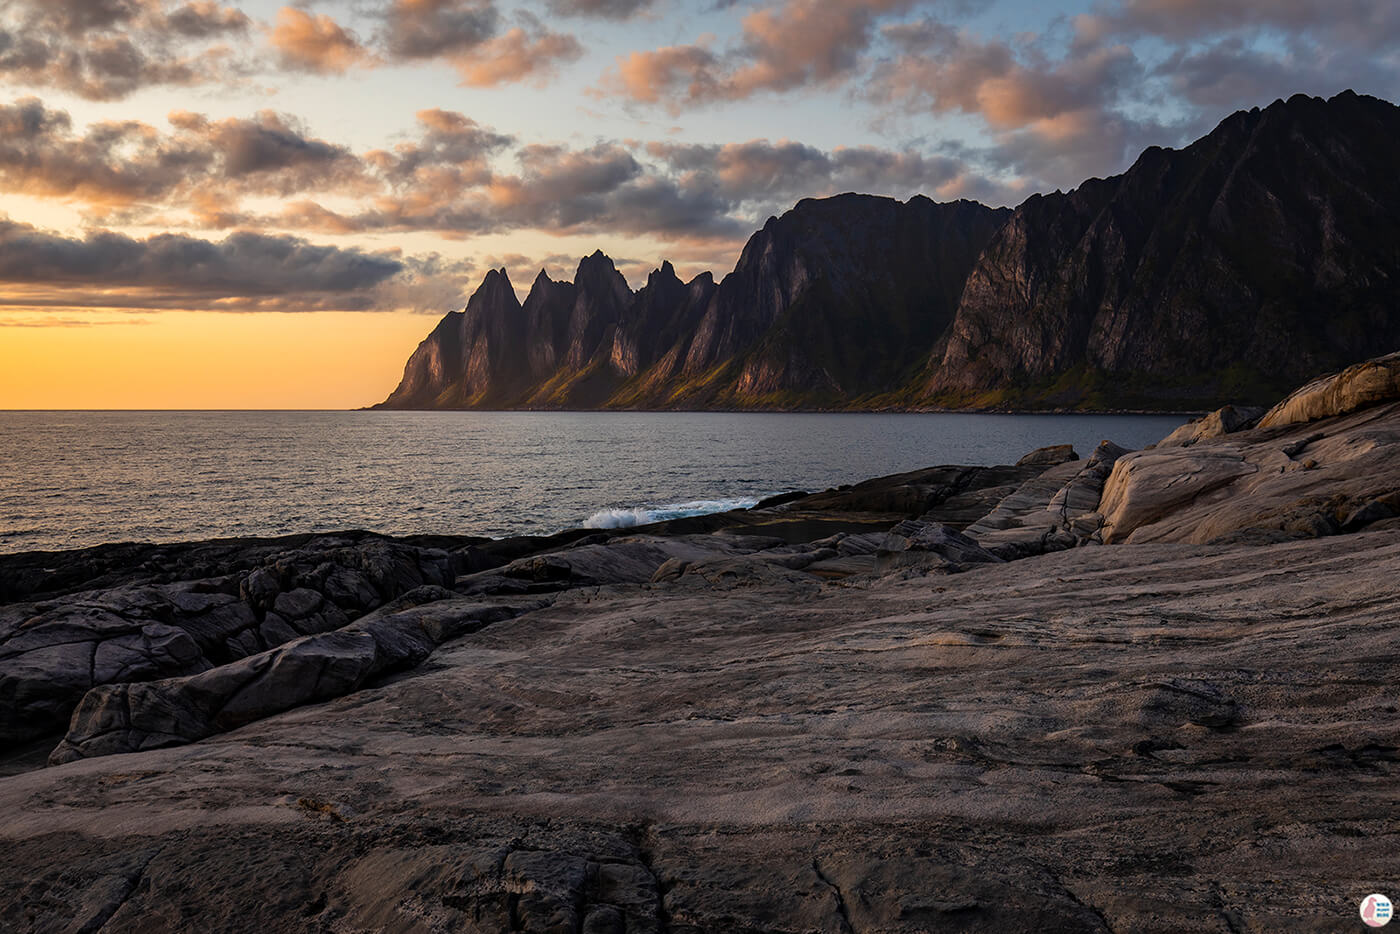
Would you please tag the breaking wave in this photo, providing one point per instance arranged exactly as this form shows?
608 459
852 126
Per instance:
644 515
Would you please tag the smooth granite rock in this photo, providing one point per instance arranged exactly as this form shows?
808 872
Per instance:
1267 484
1366 384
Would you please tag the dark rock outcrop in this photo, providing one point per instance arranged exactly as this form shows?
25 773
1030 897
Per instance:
1222 421
54 650
123 717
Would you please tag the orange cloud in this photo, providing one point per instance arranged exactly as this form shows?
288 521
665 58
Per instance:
316 43
516 56
793 44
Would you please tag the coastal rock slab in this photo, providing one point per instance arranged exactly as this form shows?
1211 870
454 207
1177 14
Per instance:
1304 480
1009 749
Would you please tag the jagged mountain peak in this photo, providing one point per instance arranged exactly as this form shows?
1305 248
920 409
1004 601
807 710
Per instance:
495 290
665 273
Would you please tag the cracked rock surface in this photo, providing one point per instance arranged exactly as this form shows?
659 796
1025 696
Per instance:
1130 738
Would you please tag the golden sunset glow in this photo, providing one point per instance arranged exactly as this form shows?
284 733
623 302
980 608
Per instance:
197 360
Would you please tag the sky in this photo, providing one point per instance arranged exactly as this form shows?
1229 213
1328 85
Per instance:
258 204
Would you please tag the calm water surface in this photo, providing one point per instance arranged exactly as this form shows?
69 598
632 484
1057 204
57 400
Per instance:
71 479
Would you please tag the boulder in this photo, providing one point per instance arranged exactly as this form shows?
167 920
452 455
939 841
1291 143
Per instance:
913 542
1052 511
1049 456
1369 383
1222 421
1300 481
1148 485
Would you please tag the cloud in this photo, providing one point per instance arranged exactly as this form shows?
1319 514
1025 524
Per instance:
687 194
1052 115
243 272
316 43
107 49
762 171
115 165
1222 56
516 56
49 321
1355 23
795 44
467 35
603 9
454 152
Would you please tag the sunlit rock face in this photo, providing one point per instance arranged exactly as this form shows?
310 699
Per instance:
1228 271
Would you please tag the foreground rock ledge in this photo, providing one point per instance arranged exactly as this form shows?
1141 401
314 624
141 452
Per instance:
1132 738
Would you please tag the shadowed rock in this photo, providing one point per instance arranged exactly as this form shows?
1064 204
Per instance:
121 718
1054 510
54 651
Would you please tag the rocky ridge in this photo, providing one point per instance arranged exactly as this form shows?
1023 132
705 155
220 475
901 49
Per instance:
1225 272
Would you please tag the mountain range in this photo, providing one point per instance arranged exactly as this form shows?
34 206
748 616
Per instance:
1226 271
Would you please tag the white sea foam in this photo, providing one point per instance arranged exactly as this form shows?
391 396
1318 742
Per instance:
643 515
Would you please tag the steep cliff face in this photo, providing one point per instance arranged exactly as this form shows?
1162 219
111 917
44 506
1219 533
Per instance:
837 298
1266 251
1226 271
474 358
547 310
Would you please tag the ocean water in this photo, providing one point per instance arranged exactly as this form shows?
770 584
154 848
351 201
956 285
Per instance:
72 479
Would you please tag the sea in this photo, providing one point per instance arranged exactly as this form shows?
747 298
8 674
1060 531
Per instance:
74 479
